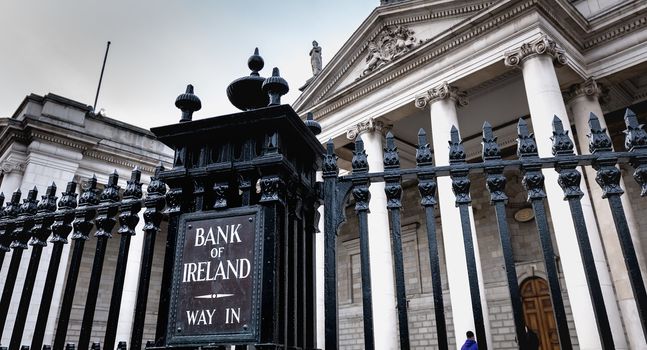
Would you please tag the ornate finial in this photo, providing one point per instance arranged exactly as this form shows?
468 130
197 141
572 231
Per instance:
329 165
635 135
134 187
15 197
157 185
599 141
391 157
111 192
89 194
562 144
540 46
360 161
30 204
313 125
456 149
490 147
275 87
526 144
68 198
424 153
246 93
255 63
369 125
188 103
48 201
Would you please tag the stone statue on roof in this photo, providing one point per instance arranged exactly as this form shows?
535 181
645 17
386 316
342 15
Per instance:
315 58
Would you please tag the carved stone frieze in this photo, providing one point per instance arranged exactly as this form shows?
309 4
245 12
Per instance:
392 43
441 92
369 125
540 46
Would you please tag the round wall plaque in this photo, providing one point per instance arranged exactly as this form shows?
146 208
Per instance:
524 215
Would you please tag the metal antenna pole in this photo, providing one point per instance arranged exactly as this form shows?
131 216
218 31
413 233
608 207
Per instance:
94 107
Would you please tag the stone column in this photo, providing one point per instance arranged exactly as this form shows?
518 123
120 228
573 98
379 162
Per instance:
443 102
583 99
535 59
382 282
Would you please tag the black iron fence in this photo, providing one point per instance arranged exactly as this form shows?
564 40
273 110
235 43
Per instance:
35 223
44 223
337 190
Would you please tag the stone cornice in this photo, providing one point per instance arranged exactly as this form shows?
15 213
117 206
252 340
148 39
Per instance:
540 46
442 92
369 125
106 157
615 31
589 87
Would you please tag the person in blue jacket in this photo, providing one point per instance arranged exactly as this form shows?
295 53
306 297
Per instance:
470 343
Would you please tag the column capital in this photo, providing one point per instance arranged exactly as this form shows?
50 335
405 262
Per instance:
442 92
7 166
589 87
369 125
540 46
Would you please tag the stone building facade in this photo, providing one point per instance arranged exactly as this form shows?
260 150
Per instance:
52 138
433 64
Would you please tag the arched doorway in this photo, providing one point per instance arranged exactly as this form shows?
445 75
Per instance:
538 312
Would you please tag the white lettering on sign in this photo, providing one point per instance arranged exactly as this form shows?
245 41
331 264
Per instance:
223 270
200 317
227 235
232 315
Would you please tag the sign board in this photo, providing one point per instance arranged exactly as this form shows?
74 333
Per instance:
216 279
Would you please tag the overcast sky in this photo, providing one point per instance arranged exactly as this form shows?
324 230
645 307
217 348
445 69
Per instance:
159 46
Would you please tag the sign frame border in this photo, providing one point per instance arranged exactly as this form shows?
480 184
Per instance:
252 334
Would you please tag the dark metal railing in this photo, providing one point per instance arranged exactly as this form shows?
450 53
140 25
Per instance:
564 161
33 222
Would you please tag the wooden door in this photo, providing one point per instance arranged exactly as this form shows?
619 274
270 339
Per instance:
538 312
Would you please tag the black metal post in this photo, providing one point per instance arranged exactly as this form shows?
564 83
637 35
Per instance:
39 233
128 219
608 177
331 222
393 190
60 228
104 222
154 203
362 197
11 211
569 180
4 246
427 188
461 188
495 182
533 182
82 225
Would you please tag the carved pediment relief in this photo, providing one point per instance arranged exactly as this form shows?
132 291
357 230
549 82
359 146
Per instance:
392 43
